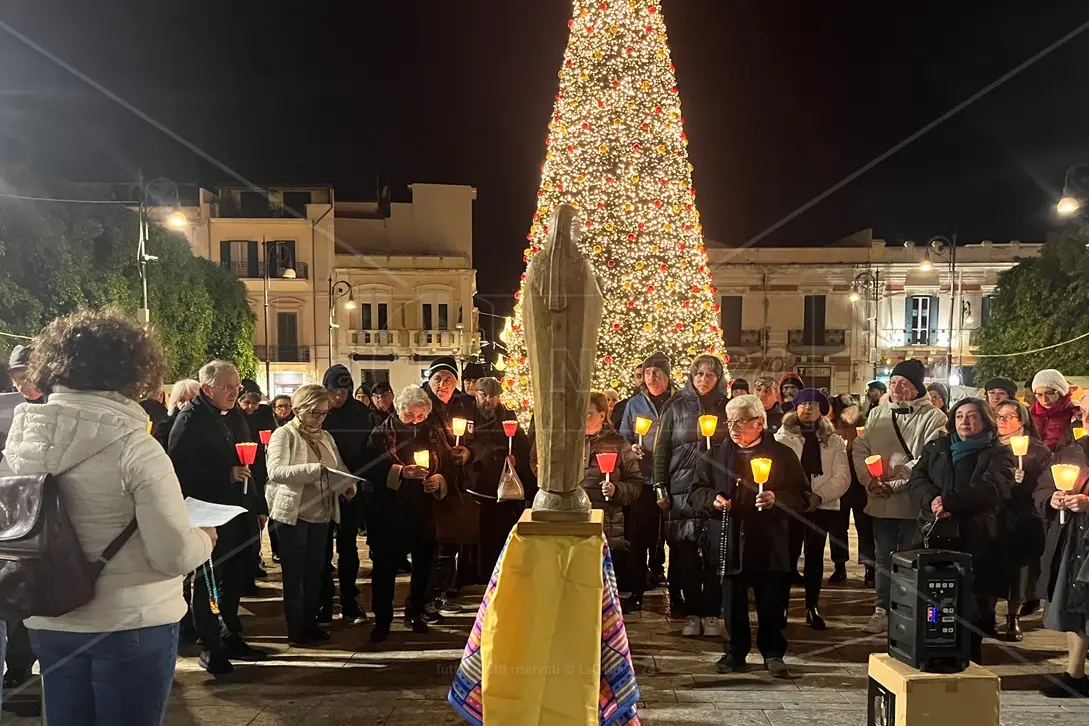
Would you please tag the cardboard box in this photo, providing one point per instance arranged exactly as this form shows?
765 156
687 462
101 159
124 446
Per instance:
899 695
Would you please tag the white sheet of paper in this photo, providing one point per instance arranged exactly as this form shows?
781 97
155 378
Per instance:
338 472
341 481
206 514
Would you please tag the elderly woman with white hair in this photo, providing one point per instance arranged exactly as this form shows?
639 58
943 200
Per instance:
303 503
757 555
182 393
410 461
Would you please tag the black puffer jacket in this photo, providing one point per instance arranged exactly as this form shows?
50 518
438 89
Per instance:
677 452
627 477
972 496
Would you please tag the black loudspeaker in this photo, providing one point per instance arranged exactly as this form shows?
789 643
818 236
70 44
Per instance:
930 606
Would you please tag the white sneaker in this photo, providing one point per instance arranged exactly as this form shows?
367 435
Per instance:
878 624
691 627
712 627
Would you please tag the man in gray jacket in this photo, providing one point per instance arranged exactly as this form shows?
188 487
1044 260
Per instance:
897 432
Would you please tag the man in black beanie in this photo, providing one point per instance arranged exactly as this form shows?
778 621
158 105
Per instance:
350 424
740 387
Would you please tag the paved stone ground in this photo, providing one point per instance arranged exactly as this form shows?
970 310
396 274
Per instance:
405 681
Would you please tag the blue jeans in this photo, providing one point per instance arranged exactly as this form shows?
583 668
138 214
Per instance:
95 679
890 535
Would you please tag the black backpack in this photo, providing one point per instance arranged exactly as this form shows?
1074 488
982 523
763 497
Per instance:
43 569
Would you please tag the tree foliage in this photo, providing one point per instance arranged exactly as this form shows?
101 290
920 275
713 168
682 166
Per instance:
59 258
1037 303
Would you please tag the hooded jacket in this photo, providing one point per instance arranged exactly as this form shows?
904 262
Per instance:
110 471
835 480
677 452
920 422
794 378
352 423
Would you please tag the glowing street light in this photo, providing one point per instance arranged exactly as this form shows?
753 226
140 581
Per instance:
1067 206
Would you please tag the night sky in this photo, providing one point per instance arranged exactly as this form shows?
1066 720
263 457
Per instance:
779 102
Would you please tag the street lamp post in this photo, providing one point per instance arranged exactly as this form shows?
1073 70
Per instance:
279 252
176 219
1075 197
947 249
337 290
868 284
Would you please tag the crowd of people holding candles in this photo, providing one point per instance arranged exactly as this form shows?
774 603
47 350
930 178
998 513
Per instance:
732 488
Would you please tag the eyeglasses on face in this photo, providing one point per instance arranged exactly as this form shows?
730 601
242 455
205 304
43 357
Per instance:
228 389
319 412
740 423
1006 417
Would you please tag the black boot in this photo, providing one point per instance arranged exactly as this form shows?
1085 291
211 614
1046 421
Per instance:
1013 629
814 620
631 604
839 575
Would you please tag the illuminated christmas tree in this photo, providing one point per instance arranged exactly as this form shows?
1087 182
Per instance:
616 150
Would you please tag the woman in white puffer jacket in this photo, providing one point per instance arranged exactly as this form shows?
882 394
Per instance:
112 660
823 454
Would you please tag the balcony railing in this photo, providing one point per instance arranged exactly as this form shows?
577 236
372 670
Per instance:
928 338
436 338
256 270
283 353
750 340
391 338
817 342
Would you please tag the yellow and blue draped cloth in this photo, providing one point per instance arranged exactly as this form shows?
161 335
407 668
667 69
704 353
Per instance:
538 654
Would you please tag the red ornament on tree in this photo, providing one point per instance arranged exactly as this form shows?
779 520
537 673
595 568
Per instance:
601 205
608 360
664 267
631 237
611 264
650 288
631 304
616 326
652 10
680 326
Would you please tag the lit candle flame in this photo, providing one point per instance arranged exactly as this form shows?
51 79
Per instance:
422 458
458 426
708 425
1078 432
1019 444
642 426
761 469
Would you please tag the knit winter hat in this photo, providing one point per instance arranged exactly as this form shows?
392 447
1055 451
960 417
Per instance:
914 371
443 363
1051 378
813 395
1004 383
739 384
942 390
877 385
657 360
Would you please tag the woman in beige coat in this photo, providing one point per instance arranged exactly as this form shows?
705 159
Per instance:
303 499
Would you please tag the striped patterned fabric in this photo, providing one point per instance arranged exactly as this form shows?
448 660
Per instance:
619 692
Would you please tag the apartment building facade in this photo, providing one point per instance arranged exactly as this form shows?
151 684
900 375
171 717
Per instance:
843 314
373 286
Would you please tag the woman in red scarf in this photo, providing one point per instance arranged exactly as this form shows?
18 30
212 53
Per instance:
1053 410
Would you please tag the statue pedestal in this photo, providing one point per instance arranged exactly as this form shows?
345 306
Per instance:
549 646
574 524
